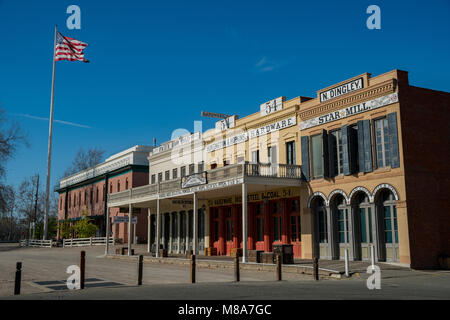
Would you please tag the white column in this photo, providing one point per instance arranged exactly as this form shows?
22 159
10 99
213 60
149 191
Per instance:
186 239
170 232
244 223
149 230
158 221
130 213
195 229
134 233
163 230
179 231
107 231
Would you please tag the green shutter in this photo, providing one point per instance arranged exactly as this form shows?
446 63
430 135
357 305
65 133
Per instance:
361 146
333 146
367 147
305 157
345 150
393 140
352 140
325 153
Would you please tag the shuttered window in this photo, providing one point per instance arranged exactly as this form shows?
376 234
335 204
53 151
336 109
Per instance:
382 146
316 157
305 157
364 146
336 153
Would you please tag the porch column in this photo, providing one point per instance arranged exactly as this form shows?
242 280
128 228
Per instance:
170 232
149 230
107 230
244 223
130 214
251 228
186 238
195 222
158 226
330 232
163 230
179 232
375 234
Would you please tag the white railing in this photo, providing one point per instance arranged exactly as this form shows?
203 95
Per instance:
36 243
80 242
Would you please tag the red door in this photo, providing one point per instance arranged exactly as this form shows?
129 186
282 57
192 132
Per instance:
294 226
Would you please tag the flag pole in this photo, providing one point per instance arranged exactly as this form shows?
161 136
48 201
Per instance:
49 157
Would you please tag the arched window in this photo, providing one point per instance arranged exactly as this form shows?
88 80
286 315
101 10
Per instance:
79 198
96 196
389 217
126 184
118 185
110 188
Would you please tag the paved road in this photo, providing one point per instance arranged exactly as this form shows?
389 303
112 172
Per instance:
115 279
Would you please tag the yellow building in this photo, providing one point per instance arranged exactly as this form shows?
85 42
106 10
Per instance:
321 175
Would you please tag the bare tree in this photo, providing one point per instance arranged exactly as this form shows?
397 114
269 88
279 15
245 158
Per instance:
10 137
84 160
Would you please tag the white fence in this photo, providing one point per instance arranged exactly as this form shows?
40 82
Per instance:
36 243
80 242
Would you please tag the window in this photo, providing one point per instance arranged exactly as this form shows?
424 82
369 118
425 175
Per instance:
153 178
290 152
343 225
96 198
91 196
110 188
200 167
382 147
79 198
336 152
276 228
191 168
175 173
160 177
353 141
183 171
167 175
240 159
85 197
118 185
316 156
295 228
213 165
255 156
70 201
322 217
126 184
60 203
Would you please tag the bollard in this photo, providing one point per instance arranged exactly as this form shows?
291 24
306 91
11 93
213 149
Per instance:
278 269
141 259
347 271
18 278
316 269
236 268
193 268
82 265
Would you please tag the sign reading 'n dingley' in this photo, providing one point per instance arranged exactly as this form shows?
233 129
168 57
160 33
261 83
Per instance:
341 90
350 111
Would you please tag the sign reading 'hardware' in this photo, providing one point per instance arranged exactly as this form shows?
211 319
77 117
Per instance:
341 90
285 123
350 111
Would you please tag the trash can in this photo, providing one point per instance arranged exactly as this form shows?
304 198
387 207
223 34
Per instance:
286 251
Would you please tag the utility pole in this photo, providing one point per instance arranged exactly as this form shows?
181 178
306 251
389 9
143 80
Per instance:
35 207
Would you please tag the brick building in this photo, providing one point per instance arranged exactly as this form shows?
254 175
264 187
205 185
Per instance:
86 192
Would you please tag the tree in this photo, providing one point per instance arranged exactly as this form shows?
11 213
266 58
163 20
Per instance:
84 228
84 160
26 202
10 137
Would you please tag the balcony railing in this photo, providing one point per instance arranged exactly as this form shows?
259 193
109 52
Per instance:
263 170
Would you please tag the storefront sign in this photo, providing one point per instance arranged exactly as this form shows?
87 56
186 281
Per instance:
182 202
271 106
255 197
227 142
187 138
341 90
226 124
193 180
122 219
350 111
282 124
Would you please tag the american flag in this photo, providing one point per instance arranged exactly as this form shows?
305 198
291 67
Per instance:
69 49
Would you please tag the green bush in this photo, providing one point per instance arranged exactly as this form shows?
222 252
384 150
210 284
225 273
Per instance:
84 228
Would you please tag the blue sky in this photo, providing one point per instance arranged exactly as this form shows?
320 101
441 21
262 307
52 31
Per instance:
155 65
